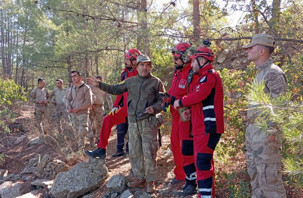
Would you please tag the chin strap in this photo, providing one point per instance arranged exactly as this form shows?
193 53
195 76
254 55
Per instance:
201 66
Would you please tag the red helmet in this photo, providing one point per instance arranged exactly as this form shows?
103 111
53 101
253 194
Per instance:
132 54
180 49
205 52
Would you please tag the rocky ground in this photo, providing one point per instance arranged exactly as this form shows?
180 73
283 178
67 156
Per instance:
34 167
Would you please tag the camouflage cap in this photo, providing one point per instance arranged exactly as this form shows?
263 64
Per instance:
261 39
143 59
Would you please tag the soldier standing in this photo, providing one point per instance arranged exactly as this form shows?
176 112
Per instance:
78 102
97 111
39 95
263 148
59 94
144 102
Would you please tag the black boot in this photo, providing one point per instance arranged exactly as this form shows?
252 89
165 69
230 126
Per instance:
118 154
98 153
188 189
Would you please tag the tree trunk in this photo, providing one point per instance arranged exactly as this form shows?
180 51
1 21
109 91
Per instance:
69 68
3 58
196 20
274 22
17 57
143 35
97 64
255 16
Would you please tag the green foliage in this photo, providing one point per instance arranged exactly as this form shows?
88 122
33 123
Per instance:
287 115
2 158
9 93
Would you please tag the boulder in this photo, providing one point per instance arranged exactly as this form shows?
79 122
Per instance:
9 189
82 178
126 194
44 183
116 184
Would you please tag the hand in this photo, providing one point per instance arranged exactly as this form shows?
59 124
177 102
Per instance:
176 104
150 110
186 115
113 111
92 81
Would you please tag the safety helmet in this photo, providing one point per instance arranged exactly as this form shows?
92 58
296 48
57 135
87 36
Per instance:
143 59
132 54
180 51
203 51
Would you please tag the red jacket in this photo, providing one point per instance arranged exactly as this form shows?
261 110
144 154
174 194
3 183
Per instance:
179 85
124 75
206 100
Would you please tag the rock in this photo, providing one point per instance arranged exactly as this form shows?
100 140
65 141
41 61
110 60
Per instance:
14 189
114 195
106 195
116 184
35 141
32 194
44 183
3 173
236 64
144 195
222 56
20 139
127 194
82 178
41 164
31 165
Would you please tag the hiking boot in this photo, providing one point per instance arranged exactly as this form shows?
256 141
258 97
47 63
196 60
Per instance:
98 153
137 183
176 181
150 187
118 154
188 189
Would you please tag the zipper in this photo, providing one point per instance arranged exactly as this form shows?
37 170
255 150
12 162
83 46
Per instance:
139 98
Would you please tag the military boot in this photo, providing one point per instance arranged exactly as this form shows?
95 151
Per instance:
150 187
137 183
98 153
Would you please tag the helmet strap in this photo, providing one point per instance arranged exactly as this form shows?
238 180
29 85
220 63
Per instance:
201 66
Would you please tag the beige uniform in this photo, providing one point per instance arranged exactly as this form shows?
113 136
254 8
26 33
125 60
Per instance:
60 107
264 156
81 98
97 111
41 111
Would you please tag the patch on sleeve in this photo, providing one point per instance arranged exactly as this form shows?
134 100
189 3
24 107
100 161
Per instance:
204 79
182 84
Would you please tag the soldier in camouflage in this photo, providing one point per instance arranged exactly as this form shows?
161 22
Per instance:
263 148
78 102
97 111
39 95
59 94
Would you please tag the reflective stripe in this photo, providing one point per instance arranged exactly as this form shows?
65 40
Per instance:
191 177
209 119
205 196
204 189
208 107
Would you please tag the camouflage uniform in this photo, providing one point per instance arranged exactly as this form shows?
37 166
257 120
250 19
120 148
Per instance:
264 156
41 111
81 98
97 111
60 107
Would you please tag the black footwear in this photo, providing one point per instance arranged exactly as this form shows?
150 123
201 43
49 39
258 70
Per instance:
188 189
175 181
118 154
98 153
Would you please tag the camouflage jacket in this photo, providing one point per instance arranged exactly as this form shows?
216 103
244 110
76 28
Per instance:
274 80
38 94
59 95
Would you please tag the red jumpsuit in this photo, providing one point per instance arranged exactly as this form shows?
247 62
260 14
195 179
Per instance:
206 100
181 137
120 117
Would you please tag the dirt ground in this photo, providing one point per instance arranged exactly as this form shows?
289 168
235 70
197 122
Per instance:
16 156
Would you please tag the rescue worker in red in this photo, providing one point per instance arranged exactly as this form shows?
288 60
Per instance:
118 115
205 99
181 137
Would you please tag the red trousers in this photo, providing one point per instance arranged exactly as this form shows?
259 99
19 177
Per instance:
181 145
205 145
108 122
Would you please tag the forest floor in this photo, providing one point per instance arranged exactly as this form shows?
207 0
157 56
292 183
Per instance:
231 180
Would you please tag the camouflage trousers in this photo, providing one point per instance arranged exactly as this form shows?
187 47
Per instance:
96 120
61 112
264 163
80 125
143 146
41 116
